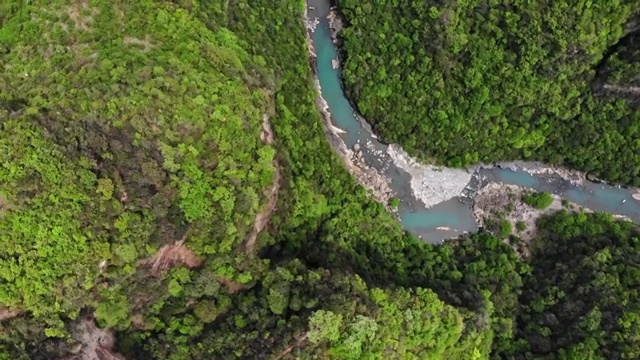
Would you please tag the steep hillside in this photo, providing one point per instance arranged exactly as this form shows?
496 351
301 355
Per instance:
167 192
121 134
136 159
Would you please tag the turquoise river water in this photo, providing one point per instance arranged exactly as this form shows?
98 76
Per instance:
455 214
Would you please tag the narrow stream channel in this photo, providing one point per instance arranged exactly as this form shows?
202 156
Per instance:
452 217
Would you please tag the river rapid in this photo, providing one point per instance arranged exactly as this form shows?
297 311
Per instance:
435 203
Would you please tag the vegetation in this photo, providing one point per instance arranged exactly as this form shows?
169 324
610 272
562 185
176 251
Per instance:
538 200
460 83
110 150
122 123
133 131
505 228
580 300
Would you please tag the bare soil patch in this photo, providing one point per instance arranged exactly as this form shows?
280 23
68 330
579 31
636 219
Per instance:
4 205
231 286
266 136
171 255
6 314
78 14
505 199
94 343
262 218
144 43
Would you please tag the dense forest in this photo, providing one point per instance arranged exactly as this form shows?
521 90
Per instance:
462 82
134 165
132 146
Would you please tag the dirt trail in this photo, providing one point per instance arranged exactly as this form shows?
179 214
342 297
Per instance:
630 90
262 218
266 136
292 347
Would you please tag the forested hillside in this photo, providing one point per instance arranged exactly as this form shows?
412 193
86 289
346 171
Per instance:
134 163
133 167
581 299
459 83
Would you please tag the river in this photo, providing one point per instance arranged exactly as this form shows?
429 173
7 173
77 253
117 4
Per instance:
439 205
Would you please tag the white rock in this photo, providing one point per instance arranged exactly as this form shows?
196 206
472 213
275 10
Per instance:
431 185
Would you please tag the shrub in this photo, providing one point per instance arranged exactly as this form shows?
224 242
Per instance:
538 200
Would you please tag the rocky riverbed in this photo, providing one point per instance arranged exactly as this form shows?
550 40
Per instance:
430 184
336 24
500 200
435 202
537 168
377 184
